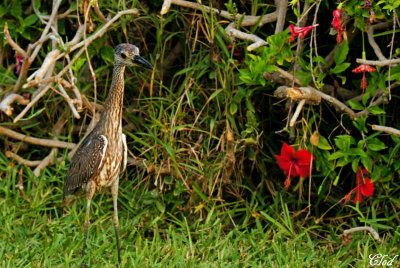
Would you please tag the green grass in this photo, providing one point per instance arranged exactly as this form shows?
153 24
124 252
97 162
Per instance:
37 233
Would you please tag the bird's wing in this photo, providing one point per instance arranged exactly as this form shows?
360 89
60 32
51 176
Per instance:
125 153
85 163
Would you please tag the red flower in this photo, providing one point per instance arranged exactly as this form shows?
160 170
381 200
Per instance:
294 164
362 69
299 31
19 60
337 24
364 187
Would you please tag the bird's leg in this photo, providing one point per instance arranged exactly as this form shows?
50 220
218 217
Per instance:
114 191
91 188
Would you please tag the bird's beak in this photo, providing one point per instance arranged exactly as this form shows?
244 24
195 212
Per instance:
142 62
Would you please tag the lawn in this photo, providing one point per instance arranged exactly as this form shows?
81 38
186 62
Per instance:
36 232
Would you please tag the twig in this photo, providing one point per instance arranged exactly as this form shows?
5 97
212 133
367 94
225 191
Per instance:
43 142
332 100
247 20
76 92
98 12
21 160
280 21
69 101
391 52
20 185
379 62
389 130
42 90
297 113
87 54
103 29
5 104
11 42
257 41
375 235
371 40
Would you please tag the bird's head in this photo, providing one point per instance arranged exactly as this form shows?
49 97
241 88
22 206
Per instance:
128 55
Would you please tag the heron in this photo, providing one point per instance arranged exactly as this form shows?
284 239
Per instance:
101 157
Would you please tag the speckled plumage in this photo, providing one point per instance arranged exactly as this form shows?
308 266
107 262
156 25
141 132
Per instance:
101 156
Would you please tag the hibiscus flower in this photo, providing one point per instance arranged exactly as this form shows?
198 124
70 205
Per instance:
363 68
299 31
294 164
364 187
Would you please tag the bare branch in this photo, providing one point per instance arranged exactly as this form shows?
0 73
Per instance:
374 233
11 42
257 41
389 130
379 62
69 101
281 9
43 142
371 40
5 104
41 91
247 20
297 112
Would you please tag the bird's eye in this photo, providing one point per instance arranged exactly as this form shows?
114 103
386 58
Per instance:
123 55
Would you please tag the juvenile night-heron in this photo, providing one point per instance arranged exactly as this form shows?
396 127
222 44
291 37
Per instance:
102 155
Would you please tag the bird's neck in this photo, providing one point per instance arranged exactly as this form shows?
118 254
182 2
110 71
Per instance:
111 117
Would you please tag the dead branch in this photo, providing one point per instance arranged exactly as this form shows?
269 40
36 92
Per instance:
246 20
281 16
43 142
40 93
379 62
303 93
338 104
5 104
20 185
98 11
21 160
282 77
346 233
371 39
11 42
69 101
389 130
257 41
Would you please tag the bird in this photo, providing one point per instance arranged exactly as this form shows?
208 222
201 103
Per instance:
102 156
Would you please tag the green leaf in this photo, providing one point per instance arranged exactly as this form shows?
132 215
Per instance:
107 54
340 68
367 163
336 155
233 108
355 105
376 110
16 9
341 53
323 143
354 164
343 142
31 19
3 11
376 145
